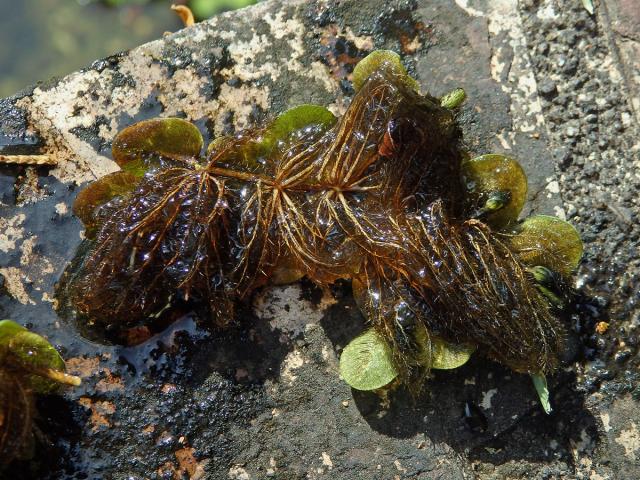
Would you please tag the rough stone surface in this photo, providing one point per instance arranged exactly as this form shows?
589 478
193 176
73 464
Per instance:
263 399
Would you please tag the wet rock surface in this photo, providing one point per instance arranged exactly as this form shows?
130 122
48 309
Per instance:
263 399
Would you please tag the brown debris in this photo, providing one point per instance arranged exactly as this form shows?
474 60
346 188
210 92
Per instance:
83 367
100 411
110 383
602 327
185 14
28 159
189 464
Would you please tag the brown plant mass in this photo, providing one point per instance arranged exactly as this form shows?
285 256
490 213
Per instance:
376 198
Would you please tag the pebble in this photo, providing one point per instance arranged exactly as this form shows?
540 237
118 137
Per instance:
547 88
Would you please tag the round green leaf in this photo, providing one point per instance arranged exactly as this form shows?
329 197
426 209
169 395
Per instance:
366 362
140 146
297 118
491 177
543 240
100 192
377 60
446 356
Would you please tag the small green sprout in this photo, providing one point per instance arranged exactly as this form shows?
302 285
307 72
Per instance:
540 383
453 99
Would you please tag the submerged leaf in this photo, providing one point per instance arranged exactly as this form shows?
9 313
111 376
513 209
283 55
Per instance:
540 382
366 362
446 356
140 146
374 62
100 192
497 186
547 241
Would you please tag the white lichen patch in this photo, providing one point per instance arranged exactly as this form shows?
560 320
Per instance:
285 310
61 208
629 439
238 473
606 419
292 362
241 101
11 231
58 111
13 283
33 266
326 460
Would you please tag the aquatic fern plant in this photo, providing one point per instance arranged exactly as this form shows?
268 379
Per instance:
384 197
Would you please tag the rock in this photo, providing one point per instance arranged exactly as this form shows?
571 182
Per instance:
263 399
547 88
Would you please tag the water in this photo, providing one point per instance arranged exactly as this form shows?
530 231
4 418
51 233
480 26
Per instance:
40 39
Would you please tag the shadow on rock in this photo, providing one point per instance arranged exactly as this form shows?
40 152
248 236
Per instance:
482 409
54 420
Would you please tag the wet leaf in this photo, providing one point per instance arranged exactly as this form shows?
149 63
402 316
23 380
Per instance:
540 383
377 60
140 146
100 192
547 241
295 119
446 356
497 186
32 353
366 362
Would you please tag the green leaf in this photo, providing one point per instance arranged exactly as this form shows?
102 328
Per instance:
543 240
32 353
141 145
497 186
366 362
446 356
206 8
376 61
540 382
100 192
453 99
296 119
